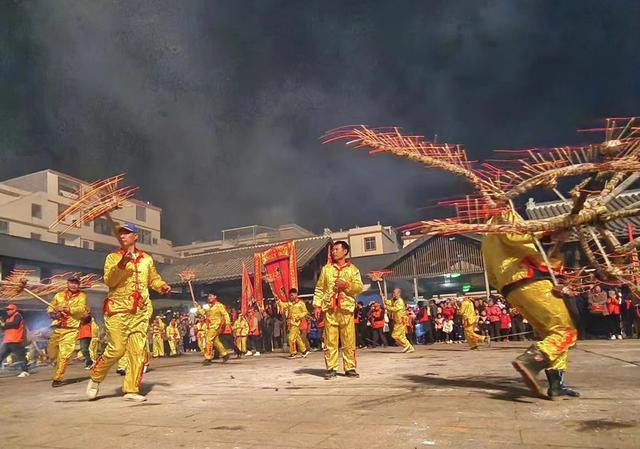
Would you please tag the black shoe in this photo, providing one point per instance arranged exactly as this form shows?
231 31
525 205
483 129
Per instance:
207 362
351 373
557 389
294 355
56 383
529 366
225 358
304 354
121 371
330 374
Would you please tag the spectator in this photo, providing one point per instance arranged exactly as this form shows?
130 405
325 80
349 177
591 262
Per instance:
447 329
377 326
598 312
628 315
483 323
517 325
505 324
493 313
613 307
439 322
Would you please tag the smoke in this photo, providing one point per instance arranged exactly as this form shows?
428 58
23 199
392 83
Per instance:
215 108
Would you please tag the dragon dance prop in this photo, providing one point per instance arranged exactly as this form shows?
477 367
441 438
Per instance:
378 276
188 276
603 170
96 200
17 283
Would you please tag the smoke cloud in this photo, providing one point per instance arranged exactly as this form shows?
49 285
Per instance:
215 108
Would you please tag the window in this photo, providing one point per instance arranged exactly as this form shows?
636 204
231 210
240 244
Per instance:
154 240
141 213
97 246
36 210
68 188
86 245
369 243
36 236
101 226
61 241
144 237
4 227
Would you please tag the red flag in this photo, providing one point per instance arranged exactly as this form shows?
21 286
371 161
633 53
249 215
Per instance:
281 266
247 290
257 280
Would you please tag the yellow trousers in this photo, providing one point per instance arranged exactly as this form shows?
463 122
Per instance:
213 342
241 343
339 327
550 319
470 335
62 343
158 346
202 342
126 334
172 347
93 348
399 334
296 339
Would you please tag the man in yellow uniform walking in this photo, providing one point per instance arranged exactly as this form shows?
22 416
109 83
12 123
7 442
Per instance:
201 330
396 307
67 309
469 320
240 332
215 315
157 335
173 337
295 311
129 273
517 269
335 295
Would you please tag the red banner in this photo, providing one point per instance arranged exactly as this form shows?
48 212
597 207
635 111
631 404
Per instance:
281 265
257 280
247 291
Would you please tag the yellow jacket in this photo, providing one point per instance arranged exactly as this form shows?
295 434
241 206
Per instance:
328 298
468 312
215 315
173 333
296 311
397 309
129 288
76 303
241 327
95 329
157 328
200 327
510 257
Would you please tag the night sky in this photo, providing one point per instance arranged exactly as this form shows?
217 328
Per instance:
215 109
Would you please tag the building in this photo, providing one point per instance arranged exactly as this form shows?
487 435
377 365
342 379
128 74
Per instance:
30 203
369 240
244 236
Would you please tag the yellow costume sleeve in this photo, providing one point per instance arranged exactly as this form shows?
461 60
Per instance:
155 281
112 274
55 302
321 288
79 306
396 306
355 283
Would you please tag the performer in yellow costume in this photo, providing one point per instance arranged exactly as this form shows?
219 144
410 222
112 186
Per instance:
157 332
201 331
469 319
95 339
516 268
396 307
129 273
67 309
215 315
335 295
295 311
173 337
240 332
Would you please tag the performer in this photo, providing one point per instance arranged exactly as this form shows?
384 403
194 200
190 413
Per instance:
516 268
173 337
95 340
67 309
158 333
338 285
13 339
85 336
295 311
216 315
128 273
200 327
469 319
395 306
240 332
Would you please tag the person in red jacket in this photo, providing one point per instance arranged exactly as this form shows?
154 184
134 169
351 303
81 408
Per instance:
254 332
505 324
493 313
377 325
84 338
613 307
14 338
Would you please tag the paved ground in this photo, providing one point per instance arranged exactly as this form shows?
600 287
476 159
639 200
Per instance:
440 396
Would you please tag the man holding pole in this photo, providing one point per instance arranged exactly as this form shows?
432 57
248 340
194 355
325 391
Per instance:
129 273
335 295
67 309
216 315
295 311
395 306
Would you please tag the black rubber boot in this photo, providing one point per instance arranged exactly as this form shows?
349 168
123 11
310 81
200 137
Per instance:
57 383
351 373
529 366
225 358
557 389
330 374
121 371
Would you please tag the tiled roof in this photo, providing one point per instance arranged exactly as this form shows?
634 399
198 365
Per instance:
619 227
225 265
